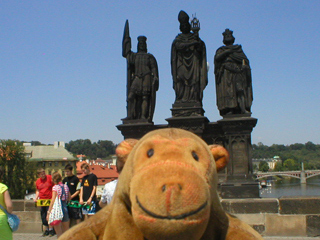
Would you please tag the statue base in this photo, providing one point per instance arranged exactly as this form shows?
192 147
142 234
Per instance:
235 116
135 121
237 140
195 124
135 128
237 130
240 190
187 109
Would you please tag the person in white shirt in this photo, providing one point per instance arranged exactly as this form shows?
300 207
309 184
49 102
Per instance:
110 187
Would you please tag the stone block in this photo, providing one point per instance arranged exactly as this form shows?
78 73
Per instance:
239 190
31 206
29 216
285 225
252 219
255 220
18 205
259 228
30 227
313 225
255 205
299 205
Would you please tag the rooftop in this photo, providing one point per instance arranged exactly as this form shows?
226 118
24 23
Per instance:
49 153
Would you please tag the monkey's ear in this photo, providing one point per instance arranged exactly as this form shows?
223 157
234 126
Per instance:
220 155
124 148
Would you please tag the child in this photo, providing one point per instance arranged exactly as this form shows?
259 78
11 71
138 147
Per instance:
62 191
88 190
74 185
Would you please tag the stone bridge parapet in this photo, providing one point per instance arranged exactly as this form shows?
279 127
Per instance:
285 216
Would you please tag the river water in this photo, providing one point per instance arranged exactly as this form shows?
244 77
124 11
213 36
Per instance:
291 187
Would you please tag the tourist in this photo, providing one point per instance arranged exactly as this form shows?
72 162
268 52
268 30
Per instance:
61 190
88 191
74 185
5 201
44 186
109 188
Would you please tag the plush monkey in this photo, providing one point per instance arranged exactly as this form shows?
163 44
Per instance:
167 190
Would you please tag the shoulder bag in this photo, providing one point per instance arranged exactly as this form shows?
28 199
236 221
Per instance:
56 214
13 219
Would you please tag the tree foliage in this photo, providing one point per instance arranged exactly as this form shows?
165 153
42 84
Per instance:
19 175
278 167
263 166
291 165
308 153
100 149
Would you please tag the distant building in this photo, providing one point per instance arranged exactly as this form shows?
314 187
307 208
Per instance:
51 157
271 161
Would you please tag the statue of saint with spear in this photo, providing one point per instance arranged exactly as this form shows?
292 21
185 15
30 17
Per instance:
142 79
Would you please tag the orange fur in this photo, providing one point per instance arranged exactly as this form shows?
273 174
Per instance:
167 190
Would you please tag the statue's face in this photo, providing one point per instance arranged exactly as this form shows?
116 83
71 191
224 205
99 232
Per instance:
228 39
185 27
142 46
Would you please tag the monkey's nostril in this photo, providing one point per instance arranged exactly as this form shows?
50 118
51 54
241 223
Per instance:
163 188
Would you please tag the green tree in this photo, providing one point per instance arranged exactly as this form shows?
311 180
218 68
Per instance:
311 146
309 153
296 146
109 146
291 165
278 167
263 166
18 173
101 149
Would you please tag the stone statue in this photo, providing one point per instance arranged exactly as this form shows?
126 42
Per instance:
233 78
188 62
142 78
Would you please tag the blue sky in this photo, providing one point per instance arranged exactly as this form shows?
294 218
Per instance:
63 76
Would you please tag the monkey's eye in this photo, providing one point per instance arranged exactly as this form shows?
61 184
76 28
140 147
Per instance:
150 152
195 156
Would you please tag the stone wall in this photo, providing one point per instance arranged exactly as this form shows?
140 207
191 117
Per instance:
286 216
29 215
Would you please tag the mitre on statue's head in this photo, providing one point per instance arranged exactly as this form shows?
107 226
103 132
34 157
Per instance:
183 17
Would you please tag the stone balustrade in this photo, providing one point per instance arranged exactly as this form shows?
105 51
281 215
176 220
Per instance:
286 216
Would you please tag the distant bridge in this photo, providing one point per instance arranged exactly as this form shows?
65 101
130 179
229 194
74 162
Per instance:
302 175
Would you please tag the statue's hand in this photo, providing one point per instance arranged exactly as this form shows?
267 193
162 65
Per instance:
245 67
156 83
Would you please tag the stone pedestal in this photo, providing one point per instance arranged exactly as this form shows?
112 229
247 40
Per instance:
188 116
237 140
187 109
135 128
233 132
195 124
231 189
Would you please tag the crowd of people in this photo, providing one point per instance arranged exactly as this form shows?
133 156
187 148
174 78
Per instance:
78 199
